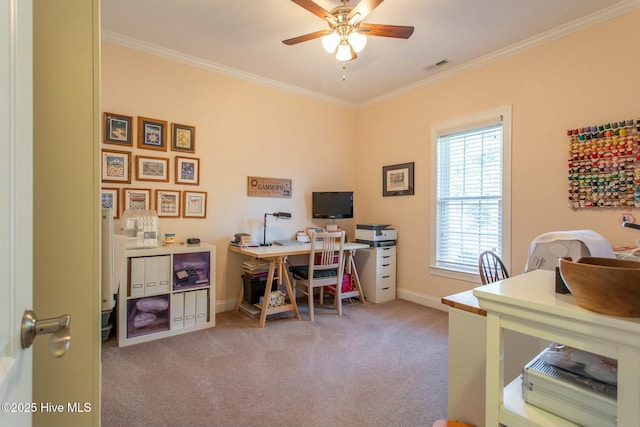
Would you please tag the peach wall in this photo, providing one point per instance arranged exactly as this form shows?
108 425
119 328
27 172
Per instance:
589 77
247 129
242 129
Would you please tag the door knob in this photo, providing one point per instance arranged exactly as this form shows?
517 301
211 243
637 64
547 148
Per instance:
59 327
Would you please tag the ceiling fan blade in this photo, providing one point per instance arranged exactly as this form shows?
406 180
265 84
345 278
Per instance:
306 37
363 8
396 31
314 8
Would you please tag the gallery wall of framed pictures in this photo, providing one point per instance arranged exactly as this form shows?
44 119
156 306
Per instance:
171 158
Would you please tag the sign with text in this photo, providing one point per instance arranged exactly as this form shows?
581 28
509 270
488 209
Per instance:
268 187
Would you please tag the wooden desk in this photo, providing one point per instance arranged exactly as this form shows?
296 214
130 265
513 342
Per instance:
464 301
277 255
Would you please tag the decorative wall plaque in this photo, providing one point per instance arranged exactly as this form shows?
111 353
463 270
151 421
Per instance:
268 187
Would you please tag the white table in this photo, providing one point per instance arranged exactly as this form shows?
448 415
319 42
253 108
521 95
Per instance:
277 255
467 357
528 304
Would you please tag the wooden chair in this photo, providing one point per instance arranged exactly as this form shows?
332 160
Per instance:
491 268
326 267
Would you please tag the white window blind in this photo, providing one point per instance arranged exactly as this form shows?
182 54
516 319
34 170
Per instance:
469 196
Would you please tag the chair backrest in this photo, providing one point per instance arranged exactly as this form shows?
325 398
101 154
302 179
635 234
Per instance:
326 254
491 268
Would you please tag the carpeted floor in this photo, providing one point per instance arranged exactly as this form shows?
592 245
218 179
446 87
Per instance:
377 365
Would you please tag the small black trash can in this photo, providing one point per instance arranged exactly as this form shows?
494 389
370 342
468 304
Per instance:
254 288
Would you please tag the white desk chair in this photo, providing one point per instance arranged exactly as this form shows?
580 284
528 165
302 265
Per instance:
326 267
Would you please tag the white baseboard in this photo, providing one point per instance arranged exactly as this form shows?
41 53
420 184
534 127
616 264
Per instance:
418 298
226 305
422 299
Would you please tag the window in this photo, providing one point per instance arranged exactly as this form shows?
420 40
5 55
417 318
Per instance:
471 192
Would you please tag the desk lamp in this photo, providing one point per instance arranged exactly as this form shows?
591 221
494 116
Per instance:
276 215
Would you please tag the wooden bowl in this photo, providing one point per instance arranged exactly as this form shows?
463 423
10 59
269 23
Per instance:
604 285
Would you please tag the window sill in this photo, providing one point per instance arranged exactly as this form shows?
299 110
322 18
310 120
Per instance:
455 274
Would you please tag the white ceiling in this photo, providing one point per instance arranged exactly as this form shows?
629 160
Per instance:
244 38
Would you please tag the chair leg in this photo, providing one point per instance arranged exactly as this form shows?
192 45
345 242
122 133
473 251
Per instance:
310 297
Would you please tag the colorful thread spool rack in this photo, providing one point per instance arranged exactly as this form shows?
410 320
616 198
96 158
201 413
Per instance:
604 165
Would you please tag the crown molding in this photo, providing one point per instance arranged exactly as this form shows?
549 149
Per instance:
173 55
540 39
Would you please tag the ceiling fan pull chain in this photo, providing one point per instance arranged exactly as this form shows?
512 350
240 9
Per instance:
344 70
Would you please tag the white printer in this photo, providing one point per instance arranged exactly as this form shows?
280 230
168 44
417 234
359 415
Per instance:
376 234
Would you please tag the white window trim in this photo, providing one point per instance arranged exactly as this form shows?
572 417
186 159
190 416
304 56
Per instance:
460 124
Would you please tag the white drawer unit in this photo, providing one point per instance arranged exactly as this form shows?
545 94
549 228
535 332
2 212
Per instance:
166 291
377 271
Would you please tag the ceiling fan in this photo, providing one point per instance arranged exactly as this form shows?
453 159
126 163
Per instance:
347 33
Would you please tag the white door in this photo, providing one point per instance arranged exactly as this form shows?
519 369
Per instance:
52 46
16 144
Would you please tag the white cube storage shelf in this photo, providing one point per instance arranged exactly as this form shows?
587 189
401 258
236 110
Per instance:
166 291
377 271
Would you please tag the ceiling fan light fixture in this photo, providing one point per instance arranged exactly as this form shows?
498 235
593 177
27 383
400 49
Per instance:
357 41
345 52
346 36
330 42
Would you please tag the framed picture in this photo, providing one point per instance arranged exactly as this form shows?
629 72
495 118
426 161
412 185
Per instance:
194 204
187 170
152 168
152 134
110 198
116 166
118 129
136 198
397 180
183 138
168 203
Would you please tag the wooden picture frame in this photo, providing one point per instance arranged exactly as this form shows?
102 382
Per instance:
183 138
152 134
116 166
397 180
187 170
168 203
136 198
194 204
152 168
110 198
118 129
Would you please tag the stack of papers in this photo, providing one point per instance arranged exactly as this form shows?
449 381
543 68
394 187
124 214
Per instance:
288 242
256 268
244 244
